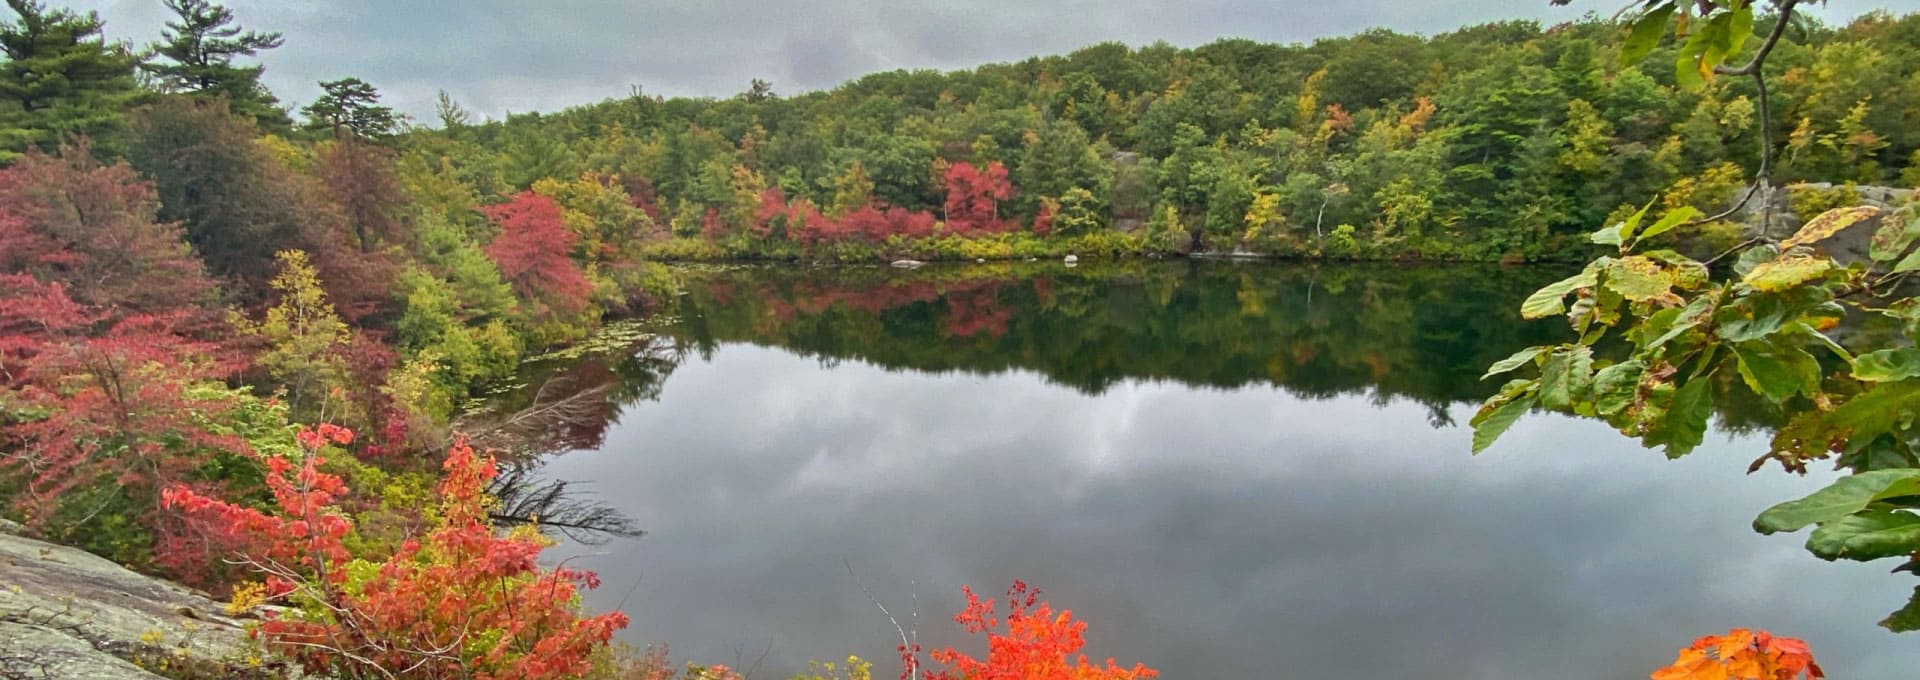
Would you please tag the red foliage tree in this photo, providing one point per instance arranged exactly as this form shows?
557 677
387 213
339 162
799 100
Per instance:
462 601
1038 644
712 228
913 223
812 226
974 196
105 404
531 252
769 220
1043 220
93 228
641 194
868 221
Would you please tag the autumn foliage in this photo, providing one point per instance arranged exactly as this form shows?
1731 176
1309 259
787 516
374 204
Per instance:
1743 654
1033 642
93 228
974 196
533 252
462 601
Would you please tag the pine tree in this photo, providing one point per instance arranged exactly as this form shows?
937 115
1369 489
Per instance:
60 78
199 48
350 105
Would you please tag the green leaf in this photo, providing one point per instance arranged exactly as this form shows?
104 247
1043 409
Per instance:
1777 373
1619 234
1520 358
1752 258
1823 340
1906 619
1787 272
1844 497
1750 318
1566 378
1615 387
1887 364
1491 424
1548 301
1886 407
1687 418
1867 535
1700 53
1911 263
1645 34
1669 221
1610 236
1740 28
1896 233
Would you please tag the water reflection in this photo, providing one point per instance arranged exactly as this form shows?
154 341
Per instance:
1231 471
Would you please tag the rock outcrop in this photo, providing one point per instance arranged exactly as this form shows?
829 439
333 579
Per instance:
1848 246
65 613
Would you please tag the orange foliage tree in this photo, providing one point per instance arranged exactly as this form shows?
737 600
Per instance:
1743 654
1038 643
463 602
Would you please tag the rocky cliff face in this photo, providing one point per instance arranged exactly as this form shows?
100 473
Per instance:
1849 245
65 613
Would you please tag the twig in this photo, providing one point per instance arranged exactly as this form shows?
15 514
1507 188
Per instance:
907 652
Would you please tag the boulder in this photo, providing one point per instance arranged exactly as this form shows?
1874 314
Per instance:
66 613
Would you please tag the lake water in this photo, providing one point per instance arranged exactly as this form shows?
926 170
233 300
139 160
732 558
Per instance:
1228 470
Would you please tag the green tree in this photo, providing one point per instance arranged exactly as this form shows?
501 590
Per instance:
199 47
852 190
304 340
1081 212
60 79
238 202
350 105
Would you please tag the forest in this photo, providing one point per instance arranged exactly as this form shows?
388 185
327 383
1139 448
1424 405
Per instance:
231 323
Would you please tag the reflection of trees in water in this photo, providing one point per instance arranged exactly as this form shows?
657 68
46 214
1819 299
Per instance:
1422 333
569 406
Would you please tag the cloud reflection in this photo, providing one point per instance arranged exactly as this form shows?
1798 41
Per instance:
1212 533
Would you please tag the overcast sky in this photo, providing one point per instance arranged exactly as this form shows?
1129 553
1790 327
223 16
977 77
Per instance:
496 56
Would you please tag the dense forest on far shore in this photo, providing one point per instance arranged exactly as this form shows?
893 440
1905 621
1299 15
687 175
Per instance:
1500 140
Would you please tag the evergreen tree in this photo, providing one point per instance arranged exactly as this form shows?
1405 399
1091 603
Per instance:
351 105
199 47
60 78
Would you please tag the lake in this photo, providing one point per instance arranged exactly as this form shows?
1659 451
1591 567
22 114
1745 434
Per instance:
1230 470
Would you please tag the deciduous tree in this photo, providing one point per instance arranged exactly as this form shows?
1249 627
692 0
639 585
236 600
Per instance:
532 253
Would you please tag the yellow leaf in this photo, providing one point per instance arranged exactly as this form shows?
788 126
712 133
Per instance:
1828 223
1787 272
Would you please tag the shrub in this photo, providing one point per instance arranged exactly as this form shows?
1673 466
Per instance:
461 602
1038 644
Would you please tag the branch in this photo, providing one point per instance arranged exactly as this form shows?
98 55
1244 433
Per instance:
1764 176
1752 66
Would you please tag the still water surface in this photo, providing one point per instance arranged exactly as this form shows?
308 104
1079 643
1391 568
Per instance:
1229 470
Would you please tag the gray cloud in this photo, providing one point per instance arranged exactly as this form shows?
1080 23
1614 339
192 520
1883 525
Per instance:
498 56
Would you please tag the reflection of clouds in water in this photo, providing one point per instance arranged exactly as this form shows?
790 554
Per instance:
1211 533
